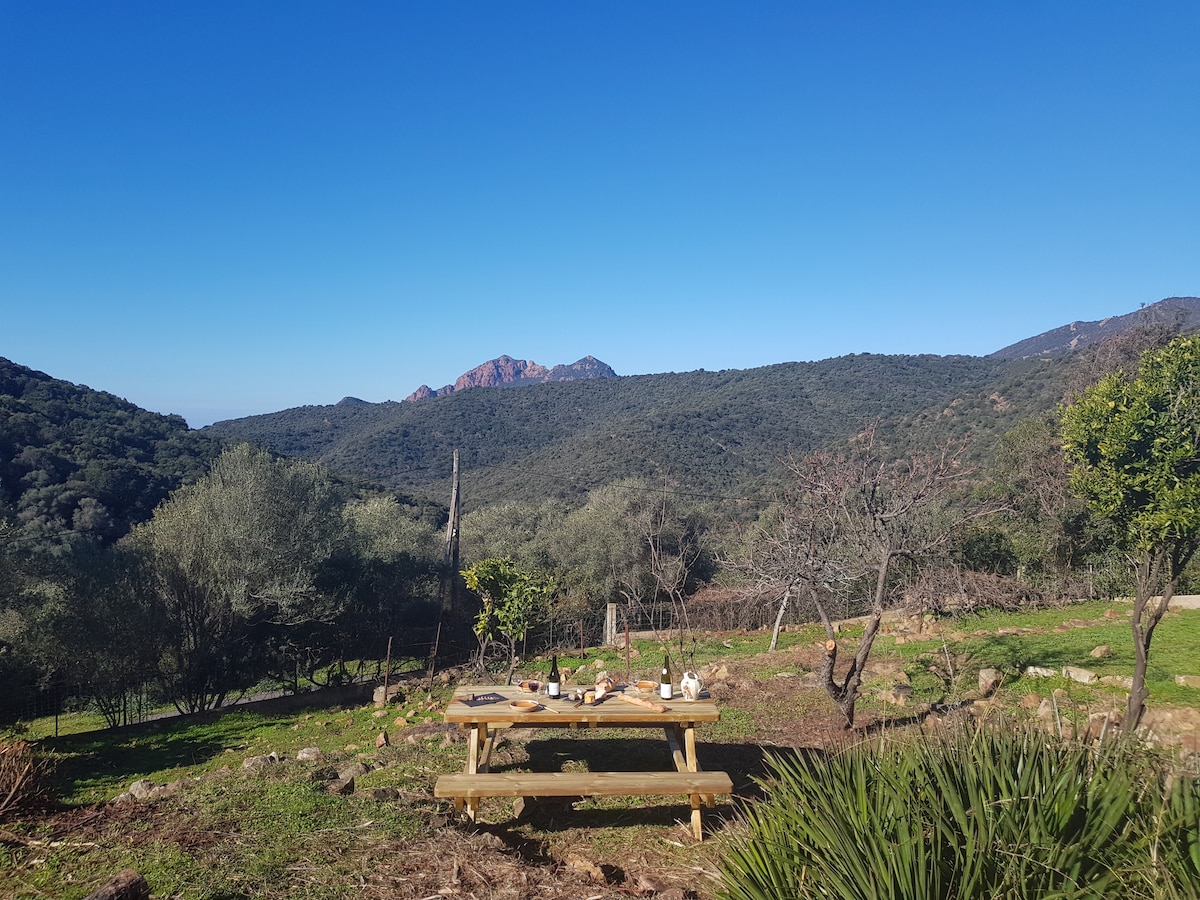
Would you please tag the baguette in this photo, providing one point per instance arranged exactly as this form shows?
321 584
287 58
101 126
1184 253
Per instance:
649 704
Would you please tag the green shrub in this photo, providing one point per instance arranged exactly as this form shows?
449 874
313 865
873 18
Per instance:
988 813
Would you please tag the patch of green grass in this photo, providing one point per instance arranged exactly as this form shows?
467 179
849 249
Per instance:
1054 638
97 766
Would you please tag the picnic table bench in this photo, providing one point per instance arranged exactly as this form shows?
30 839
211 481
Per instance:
484 709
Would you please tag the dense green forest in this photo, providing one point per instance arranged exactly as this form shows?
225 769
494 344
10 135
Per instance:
716 433
79 462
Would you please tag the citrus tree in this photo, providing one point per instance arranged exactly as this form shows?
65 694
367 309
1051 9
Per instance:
1134 447
511 599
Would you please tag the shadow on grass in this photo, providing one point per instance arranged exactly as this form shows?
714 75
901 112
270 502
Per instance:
110 760
742 761
745 763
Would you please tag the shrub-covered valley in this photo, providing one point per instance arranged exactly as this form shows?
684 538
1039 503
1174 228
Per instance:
864 557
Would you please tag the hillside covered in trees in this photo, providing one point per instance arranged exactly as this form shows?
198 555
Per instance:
709 432
78 461
281 547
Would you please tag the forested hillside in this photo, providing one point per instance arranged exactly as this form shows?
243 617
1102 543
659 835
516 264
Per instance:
258 567
78 461
712 432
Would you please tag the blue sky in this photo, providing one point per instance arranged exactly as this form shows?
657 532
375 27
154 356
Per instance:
222 209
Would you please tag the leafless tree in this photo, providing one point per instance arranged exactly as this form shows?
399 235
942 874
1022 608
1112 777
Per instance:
790 550
847 521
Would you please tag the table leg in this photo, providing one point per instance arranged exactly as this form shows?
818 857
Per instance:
693 761
675 742
697 824
479 747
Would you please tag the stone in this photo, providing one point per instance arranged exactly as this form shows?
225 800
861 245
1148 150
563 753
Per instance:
326 773
989 680
1031 701
1102 652
381 698
1101 725
715 673
258 763
984 709
354 770
125 885
1083 676
1045 710
1039 672
143 789
1192 681
342 787
585 867
382 740
893 698
1121 681
383 794
310 754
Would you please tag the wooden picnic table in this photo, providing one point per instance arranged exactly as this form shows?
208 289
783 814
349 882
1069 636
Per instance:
485 709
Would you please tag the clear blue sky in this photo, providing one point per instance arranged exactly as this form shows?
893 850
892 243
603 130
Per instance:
221 209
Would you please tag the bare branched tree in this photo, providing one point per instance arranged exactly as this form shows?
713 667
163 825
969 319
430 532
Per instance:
844 526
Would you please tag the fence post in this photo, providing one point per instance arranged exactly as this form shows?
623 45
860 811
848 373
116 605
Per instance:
610 625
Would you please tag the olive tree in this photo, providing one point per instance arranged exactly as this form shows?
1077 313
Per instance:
1134 447
237 559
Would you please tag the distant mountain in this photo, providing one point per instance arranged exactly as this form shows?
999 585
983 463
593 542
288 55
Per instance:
713 433
77 460
504 371
1183 312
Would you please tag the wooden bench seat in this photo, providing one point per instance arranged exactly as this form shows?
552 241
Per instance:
699 786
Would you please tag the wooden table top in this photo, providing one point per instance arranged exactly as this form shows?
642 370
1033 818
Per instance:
612 711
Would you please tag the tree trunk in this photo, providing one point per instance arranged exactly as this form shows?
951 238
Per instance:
783 605
1146 615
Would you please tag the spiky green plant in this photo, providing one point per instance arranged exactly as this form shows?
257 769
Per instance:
975 813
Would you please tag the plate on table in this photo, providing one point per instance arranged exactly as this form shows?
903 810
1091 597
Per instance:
524 705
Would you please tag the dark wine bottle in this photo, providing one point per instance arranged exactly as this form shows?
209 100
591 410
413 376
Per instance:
664 680
554 681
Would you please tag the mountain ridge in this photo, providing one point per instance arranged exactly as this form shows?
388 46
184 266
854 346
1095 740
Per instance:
1181 312
505 371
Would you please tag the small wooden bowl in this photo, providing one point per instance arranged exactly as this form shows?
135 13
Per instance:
524 705
647 685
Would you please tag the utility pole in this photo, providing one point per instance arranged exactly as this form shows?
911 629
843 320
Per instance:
451 559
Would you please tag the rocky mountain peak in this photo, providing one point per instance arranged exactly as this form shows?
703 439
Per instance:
504 371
